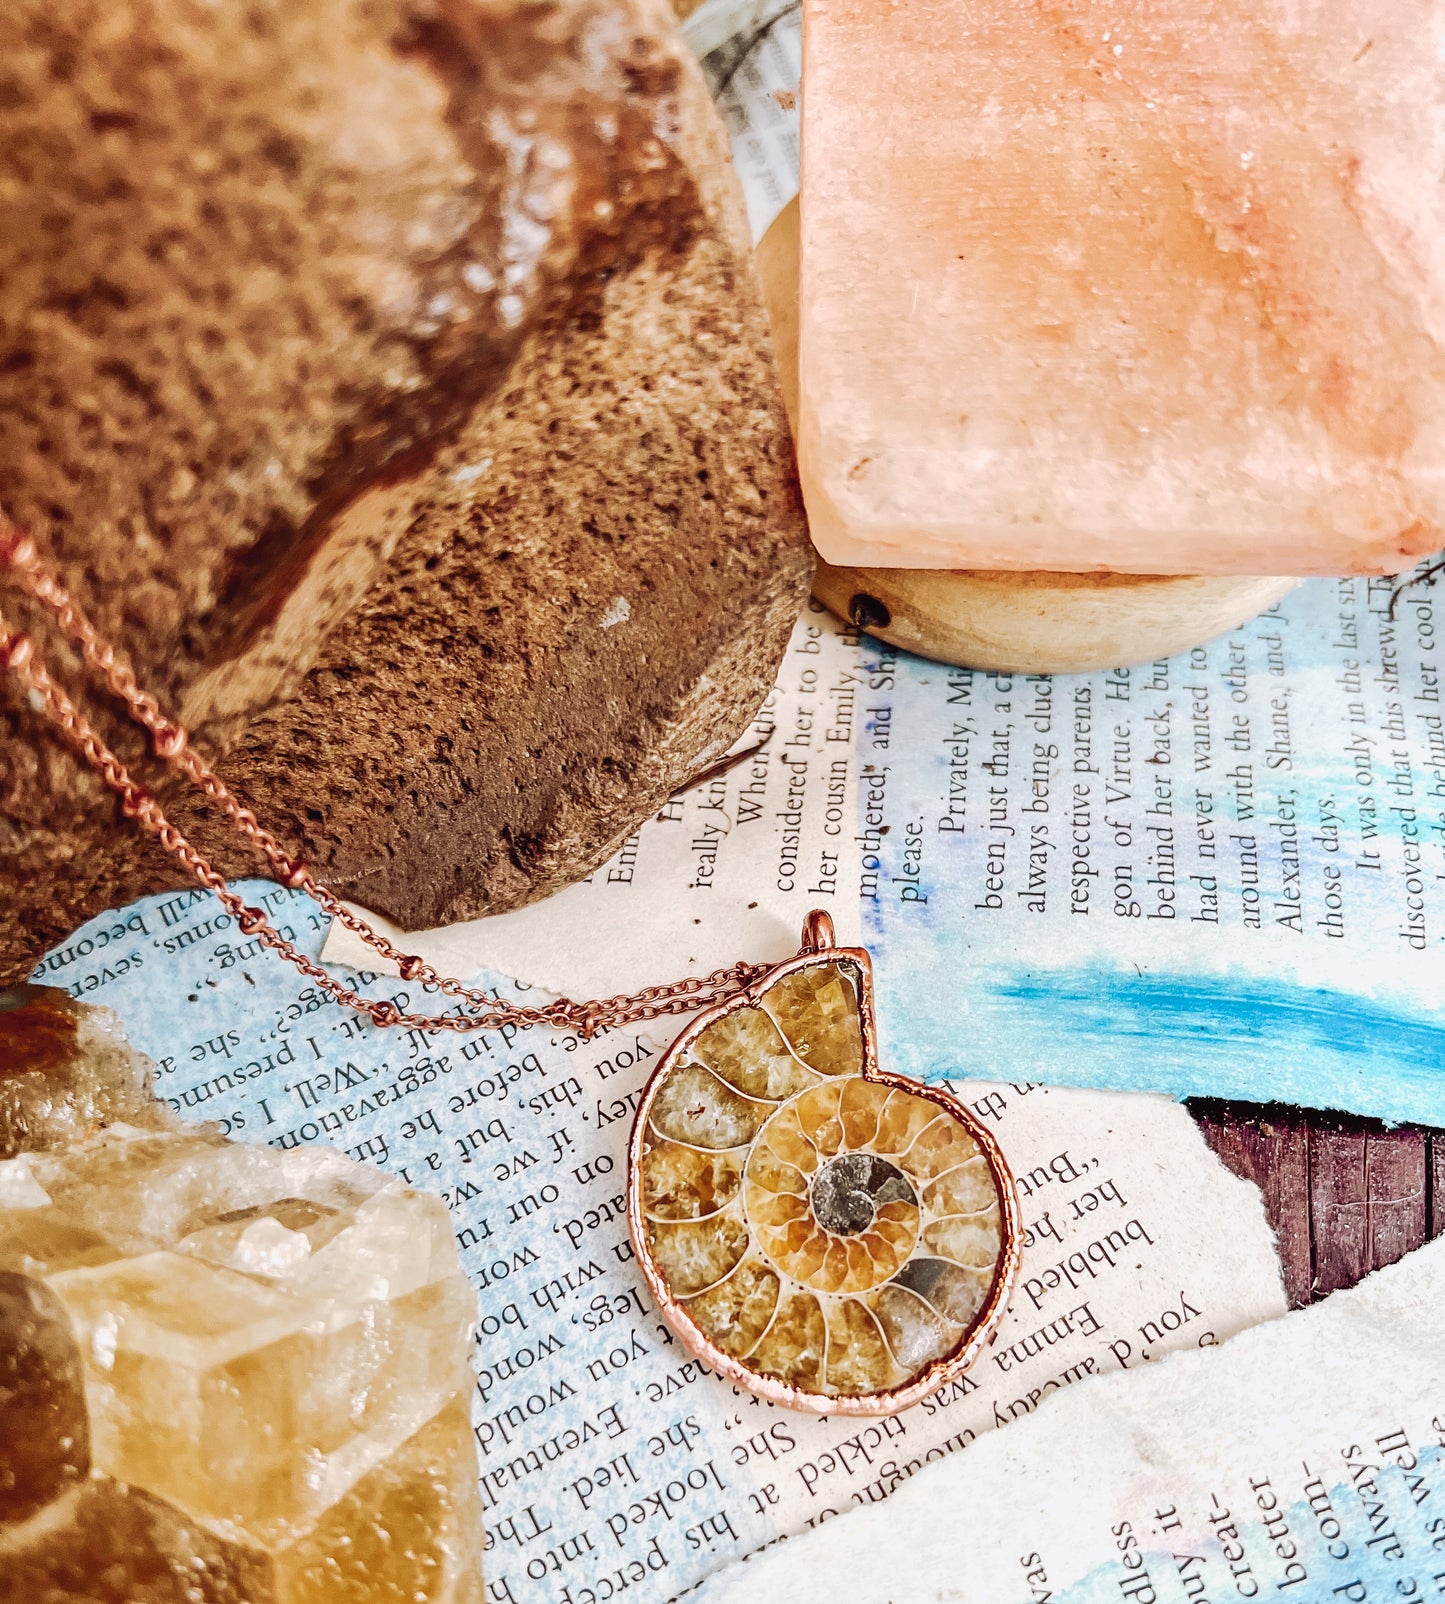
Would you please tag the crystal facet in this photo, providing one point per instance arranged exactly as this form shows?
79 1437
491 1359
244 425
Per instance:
1107 285
66 1071
837 1234
228 1374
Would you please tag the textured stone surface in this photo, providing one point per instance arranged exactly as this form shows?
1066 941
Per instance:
1157 288
391 382
228 1374
834 1233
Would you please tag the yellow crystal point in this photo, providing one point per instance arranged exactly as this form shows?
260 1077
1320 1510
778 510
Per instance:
228 1374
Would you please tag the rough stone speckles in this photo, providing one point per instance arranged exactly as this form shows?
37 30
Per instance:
832 1233
267 406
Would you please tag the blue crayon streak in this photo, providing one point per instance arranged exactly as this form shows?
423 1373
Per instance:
1239 1037
1245 1010
1312 1574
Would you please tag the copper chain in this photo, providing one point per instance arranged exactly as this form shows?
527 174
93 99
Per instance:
171 743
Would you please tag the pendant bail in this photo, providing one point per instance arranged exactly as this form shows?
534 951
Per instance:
818 934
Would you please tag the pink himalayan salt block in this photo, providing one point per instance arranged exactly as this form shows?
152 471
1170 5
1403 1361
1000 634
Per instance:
1144 286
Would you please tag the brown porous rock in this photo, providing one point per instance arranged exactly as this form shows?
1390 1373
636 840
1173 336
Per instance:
388 379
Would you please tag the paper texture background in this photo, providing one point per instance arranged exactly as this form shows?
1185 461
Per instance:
1222 874
1301 1460
606 1456
612 1465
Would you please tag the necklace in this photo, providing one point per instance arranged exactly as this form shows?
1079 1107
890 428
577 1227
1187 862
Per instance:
821 1232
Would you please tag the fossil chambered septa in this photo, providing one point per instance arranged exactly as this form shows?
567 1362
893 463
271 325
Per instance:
796 1343
695 1107
817 1010
969 1240
681 1183
785 1142
954 1291
737 1311
697 1254
866 1234
904 1118
747 1050
942 1145
967 1188
858 1357
916 1333
860 1107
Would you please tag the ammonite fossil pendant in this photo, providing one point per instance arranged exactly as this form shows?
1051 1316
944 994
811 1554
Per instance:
819 1231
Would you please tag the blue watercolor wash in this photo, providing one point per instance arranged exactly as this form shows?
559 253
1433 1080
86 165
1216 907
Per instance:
1238 1037
983 968
1243 1011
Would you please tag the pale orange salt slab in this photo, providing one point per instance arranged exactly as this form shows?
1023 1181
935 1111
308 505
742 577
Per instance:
1152 286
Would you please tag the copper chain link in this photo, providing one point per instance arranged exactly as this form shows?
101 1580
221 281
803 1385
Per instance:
172 745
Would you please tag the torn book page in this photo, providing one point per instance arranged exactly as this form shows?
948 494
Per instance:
751 53
1220 874
608 1459
1303 1460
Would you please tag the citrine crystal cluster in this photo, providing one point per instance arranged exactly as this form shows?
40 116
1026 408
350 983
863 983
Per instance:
1101 284
67 1071
834 1233
229 1375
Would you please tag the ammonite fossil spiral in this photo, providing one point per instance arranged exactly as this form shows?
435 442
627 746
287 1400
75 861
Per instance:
825 1234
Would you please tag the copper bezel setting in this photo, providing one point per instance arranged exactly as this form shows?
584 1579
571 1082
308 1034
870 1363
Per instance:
818 948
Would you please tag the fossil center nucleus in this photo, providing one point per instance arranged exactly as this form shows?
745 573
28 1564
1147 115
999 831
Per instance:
849 1190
